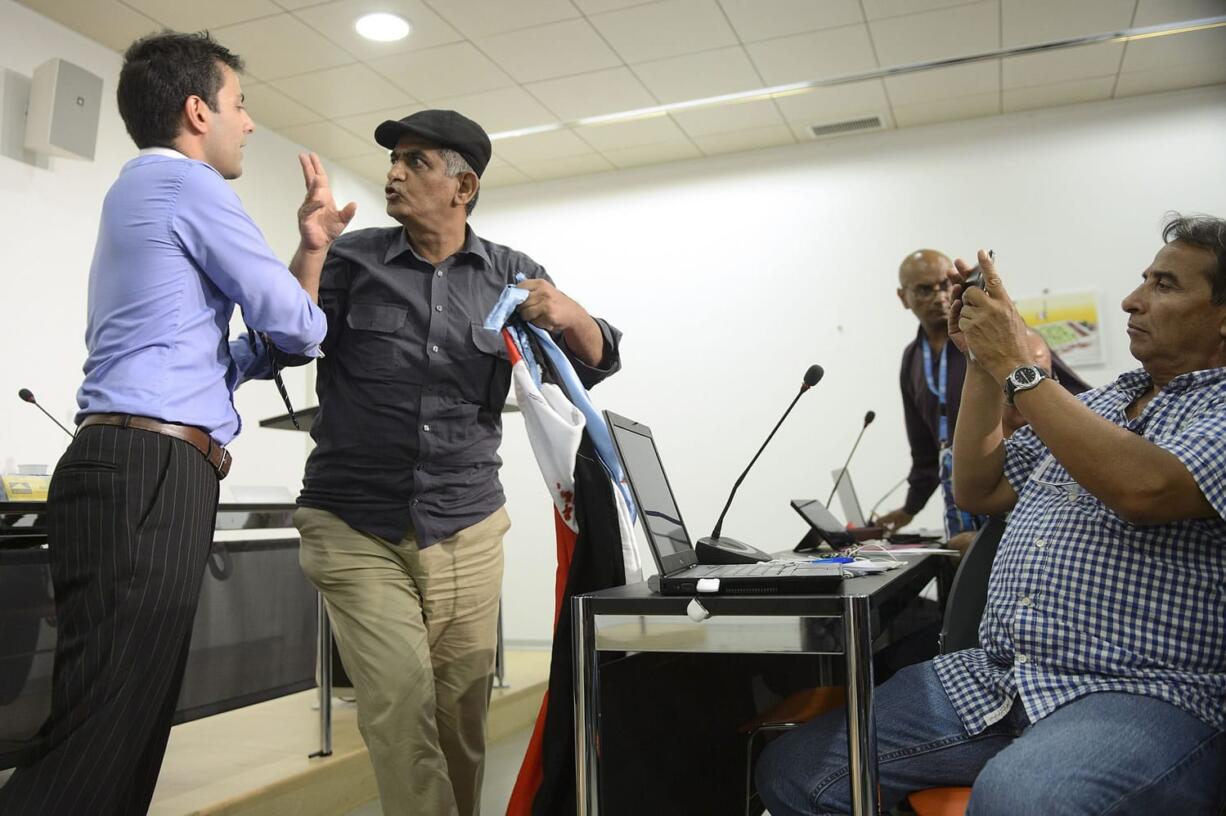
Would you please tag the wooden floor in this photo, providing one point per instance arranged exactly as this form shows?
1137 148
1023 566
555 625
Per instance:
255 760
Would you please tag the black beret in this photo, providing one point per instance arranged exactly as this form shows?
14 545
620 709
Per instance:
443 128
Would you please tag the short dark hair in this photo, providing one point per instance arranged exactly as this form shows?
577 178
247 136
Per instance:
159 73
1204 232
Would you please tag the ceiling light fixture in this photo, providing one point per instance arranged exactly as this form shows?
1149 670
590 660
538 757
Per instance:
382 27
793 88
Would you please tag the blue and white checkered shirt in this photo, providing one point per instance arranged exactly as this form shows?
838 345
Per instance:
1081 601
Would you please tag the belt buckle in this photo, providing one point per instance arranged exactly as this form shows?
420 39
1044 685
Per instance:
223 464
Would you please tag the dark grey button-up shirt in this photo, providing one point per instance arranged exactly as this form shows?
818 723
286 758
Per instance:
411 386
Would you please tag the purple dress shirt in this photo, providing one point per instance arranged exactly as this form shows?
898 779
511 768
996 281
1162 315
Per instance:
175 253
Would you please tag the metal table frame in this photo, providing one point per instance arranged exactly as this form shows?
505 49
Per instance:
632 619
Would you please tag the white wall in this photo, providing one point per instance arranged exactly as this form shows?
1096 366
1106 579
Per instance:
49 220
729 277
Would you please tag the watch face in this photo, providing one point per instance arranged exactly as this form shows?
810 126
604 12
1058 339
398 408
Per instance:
1024 376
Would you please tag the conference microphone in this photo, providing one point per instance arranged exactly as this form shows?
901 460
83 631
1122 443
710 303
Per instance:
868 420
715 549
28 396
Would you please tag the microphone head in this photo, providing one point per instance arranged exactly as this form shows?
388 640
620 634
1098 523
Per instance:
813 376
26 395
869 417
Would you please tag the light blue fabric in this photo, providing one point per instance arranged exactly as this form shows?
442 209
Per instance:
501 315
175 253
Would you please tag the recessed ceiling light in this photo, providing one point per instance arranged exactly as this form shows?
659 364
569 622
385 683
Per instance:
382 27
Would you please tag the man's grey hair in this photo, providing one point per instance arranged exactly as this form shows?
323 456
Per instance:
1203 232
457 164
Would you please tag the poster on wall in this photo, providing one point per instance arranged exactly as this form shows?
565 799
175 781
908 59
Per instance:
1069 322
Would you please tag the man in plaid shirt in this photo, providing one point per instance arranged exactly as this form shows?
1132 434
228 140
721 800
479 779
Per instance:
1100 683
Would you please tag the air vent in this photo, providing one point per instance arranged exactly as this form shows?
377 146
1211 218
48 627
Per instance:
847 126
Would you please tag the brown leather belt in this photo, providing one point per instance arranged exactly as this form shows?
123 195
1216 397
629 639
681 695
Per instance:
212 450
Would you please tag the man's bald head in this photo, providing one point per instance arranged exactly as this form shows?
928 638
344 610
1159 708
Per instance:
923 288
1039 350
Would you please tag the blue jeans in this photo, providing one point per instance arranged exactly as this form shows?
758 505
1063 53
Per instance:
1106 753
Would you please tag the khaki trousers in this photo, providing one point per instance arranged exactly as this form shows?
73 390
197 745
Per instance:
417 630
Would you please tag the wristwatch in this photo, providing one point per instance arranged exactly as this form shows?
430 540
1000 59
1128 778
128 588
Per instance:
1022 378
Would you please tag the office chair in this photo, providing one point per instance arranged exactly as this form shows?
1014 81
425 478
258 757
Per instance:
960 630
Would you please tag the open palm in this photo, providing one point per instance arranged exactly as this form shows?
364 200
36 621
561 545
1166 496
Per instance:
319 221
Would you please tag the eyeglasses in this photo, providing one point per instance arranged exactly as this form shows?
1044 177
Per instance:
927 291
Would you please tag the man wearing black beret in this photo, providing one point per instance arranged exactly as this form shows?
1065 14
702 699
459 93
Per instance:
401 513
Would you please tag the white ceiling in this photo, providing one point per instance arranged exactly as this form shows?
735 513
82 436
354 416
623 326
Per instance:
513 64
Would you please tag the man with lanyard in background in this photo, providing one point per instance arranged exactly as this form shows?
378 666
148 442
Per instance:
931 382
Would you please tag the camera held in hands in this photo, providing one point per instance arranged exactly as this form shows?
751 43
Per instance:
975 276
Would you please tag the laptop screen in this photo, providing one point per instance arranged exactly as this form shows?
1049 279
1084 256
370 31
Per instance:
670 543
848 498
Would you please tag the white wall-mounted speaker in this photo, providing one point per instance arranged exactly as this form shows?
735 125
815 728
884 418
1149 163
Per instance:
65 101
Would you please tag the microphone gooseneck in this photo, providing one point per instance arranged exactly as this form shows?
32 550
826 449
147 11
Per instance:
27 395
812 377
868 420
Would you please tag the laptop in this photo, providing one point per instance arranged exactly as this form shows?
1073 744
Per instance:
680 572
850 502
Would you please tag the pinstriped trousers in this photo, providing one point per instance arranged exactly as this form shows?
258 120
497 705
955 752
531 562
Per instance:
130 524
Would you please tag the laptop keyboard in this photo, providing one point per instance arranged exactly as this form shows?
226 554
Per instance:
766 569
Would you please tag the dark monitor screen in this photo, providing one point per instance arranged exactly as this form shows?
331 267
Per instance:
819 518
666 533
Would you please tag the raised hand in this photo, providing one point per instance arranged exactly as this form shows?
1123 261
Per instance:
319 221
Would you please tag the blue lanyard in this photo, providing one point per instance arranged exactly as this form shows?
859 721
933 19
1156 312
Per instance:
937 387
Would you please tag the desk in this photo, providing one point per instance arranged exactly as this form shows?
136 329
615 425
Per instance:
633 619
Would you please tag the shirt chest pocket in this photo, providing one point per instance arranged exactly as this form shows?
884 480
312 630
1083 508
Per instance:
484 367
1056 483
373 340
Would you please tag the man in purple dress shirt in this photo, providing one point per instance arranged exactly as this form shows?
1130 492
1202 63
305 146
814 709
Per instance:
133 499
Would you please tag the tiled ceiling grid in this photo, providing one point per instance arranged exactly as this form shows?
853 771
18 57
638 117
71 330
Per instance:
512 64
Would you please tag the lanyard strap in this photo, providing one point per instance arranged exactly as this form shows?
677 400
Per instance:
937 387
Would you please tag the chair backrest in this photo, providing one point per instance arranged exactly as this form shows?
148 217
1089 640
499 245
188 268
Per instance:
969 592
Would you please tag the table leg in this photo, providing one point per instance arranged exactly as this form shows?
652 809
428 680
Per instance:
325 682
861 727
587 702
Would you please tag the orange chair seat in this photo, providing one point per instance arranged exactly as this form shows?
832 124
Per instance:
800 707
940 801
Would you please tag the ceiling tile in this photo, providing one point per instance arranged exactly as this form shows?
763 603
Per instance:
281 46
815 55
1153 12
336 22
292 5
665 29
503 109
727 118
694 76
739 140
502 177
823 106
105 21
944 83
1048 67
637 132
877 9
592 94
548 51
1024 22
763 19
343 91
590 7
947 110
563 166
199 16
438 73
271 108
363 125
1132 83
1060 93
1175 49
329 139
541 147
481 18
935 35
652 154
370 166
